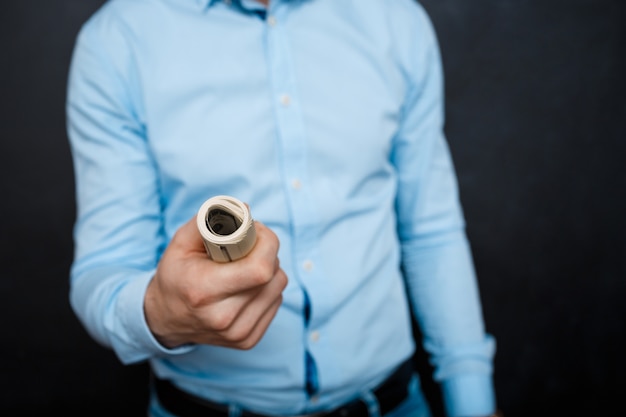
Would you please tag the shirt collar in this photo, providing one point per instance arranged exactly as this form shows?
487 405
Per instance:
203 4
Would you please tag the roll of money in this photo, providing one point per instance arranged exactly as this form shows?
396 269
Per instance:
227 228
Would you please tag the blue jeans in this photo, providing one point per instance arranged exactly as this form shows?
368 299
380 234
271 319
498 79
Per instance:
415 405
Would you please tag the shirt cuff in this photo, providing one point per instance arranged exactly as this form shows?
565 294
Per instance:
134 341
469 395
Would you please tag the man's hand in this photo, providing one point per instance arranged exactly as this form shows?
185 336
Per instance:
192 299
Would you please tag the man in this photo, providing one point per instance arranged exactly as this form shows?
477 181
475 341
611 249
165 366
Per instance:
326 118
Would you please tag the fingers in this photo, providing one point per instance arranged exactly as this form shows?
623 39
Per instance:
254 270
187 239
194 299
233 313
260 328
254 315
266 247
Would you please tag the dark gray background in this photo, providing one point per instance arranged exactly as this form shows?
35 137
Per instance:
536 122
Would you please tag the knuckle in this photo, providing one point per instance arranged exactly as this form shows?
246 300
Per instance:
194 298
178 239
275 244
263 272
241 337
238 336
248 344
221 320
273 238
248 340
282 277
270 238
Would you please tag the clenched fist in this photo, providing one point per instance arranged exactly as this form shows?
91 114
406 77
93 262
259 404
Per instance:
192 299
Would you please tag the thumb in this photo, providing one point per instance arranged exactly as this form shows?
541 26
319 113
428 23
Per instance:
188 239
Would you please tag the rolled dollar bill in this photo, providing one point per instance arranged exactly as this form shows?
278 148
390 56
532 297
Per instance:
227 228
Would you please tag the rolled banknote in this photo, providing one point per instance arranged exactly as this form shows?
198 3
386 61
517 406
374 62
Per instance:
227 228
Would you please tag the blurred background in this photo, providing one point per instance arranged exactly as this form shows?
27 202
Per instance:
536 120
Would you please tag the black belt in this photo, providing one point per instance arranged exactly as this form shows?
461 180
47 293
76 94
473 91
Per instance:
389 394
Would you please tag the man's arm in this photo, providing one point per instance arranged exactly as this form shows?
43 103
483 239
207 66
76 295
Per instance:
127 296
436 256
118 231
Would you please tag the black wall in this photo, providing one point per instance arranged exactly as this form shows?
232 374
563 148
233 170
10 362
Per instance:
536 123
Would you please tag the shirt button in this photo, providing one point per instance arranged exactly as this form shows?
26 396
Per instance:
315 336
307 265
227 2
271 20
315 399
296 184
285 100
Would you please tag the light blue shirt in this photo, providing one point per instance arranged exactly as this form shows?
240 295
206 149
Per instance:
326 117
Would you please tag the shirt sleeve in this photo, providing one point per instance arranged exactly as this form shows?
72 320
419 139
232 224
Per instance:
436 256
118 231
